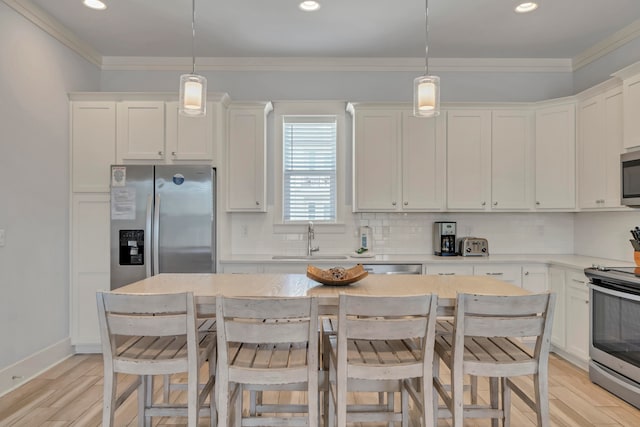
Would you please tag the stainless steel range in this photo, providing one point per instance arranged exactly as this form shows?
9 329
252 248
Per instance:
614 338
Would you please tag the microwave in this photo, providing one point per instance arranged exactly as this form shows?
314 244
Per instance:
630 172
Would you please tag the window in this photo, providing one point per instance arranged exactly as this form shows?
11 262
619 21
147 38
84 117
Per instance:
309 168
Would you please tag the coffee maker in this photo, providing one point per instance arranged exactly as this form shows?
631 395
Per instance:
444 238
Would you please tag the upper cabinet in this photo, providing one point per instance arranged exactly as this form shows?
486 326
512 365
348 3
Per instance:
246 156
141 130
599 148
631 104
93 144
489 160
191 138
555 156
398 159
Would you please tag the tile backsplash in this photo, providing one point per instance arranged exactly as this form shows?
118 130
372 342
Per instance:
407 233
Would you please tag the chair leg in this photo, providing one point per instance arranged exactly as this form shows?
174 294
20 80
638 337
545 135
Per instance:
457 396
494 398
238 405
429 383
166 388
474 389
222 395
506 402
541 386
404 405
109 398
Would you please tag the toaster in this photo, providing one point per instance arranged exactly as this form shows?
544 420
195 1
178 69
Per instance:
473 246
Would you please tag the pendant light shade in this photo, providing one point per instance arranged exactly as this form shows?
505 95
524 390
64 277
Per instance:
193 87
426 89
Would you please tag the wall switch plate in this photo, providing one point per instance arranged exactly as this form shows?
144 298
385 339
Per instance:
1 237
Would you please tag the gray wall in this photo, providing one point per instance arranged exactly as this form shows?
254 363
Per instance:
36 72
601 69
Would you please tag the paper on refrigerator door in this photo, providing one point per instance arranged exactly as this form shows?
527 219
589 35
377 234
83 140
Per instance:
123 203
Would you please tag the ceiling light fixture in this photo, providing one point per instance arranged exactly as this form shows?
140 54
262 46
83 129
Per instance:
309 6
95 4
526 6
426 89
193 87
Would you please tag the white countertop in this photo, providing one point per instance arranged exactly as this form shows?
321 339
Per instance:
562 260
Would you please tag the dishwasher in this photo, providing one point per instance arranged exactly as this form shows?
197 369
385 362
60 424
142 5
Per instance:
393 268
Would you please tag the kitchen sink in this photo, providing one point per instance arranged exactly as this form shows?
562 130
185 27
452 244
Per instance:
316 257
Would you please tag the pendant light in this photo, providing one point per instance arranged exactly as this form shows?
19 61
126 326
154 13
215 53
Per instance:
426 89
193 87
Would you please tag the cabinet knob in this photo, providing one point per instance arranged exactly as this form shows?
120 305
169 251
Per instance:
173 153
257 203
393 203
406 203
159 153
537 203
526 273
483 203
495 203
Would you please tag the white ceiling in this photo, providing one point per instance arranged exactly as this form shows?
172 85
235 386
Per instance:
343 28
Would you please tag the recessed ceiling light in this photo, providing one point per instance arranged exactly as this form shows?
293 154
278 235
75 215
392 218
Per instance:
95 4
309 6
526 6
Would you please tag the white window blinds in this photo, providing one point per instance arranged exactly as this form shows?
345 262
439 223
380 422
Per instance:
309 168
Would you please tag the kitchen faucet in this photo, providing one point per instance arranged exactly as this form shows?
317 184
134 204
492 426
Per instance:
310 236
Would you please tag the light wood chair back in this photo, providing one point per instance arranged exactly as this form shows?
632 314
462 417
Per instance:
487 341
383 344
148 335
267 342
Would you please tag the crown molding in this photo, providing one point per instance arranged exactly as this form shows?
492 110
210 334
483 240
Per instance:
608 45
526 65
51 26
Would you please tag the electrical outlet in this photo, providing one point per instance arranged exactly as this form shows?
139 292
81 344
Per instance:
1 237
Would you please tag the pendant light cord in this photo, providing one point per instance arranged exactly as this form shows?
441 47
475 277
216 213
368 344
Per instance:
193 36
426 37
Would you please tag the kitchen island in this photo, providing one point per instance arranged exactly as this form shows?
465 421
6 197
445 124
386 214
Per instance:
292 285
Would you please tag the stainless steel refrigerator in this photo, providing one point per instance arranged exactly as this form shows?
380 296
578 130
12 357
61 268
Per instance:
162 221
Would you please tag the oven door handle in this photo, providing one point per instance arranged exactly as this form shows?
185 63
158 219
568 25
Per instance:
614 293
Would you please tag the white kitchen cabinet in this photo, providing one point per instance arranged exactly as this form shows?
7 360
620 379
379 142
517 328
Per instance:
631 104
246 157
511 160
446 269
555 156
506 272
140 130
89 266
577 320
93 144
468 159
534 278
191 138
557 285
599 147
489 160
398 159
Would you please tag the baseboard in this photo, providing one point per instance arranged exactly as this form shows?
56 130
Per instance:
582 364
87 349
15 375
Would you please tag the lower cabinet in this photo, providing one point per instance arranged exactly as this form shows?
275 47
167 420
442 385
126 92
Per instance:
506 272
570 335
535 278
449 270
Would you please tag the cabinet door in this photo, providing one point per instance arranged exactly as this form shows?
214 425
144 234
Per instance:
555 157
423 157
534 278
90 268
631 94
507 273
591 152
577 315
376 148
93 145
468 159
141 130
190 138
613 138
511 160
557 285
246 158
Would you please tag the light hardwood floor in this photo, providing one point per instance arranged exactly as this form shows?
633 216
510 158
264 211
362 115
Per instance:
70 394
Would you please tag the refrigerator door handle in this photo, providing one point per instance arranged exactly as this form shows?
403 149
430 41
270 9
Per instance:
147 236
156 235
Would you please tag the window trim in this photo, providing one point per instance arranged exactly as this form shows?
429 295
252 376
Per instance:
309 108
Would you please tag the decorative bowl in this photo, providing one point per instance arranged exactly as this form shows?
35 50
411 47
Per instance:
337 276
